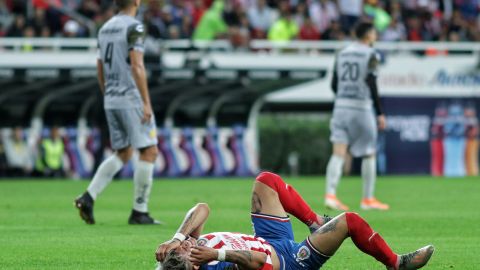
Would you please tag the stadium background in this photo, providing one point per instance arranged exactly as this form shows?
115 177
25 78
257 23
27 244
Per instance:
241 94
221 112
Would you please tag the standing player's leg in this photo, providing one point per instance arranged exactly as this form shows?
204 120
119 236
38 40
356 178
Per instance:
334 173
144 138
330 236
365 146
272 196
108 168
369 175
143 180
339 126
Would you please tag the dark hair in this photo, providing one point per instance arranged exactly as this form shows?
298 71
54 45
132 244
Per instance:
174 261
121 4
362 29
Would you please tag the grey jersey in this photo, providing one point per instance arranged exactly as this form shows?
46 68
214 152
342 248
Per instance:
353 64
116 38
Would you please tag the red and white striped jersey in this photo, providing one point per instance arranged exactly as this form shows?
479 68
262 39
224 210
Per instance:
235 241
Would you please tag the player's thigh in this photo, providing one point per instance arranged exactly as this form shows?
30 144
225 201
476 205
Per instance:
118 132
339 127
142 135
265 201
340 149
364 135
328 238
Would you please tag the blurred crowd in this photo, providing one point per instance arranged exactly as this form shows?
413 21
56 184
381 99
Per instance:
242 20
45 159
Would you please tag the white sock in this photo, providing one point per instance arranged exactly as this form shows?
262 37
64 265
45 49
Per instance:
142 179
104 175
334 172
369 175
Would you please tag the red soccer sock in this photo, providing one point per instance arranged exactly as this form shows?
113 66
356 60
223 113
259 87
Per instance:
369 241
291 201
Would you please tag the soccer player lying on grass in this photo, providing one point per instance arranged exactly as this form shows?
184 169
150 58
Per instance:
273 246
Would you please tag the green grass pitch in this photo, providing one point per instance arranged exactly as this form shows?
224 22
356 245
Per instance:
40 228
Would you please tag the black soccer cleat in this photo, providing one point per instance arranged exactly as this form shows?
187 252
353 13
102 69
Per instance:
84 204
141 218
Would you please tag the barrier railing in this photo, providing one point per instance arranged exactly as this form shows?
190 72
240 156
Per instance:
57 44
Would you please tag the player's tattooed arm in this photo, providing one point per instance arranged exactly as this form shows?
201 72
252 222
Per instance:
245 259
194 220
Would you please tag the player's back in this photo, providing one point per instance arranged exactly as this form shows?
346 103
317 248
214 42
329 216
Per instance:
116 38
353 64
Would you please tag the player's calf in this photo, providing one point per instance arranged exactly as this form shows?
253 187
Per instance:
369 241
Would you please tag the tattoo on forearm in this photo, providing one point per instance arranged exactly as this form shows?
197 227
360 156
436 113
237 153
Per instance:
188 221
256 203
239 257
329 227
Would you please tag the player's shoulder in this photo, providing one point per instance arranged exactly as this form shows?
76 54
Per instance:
374 54
110 22
135 28
112 26
350 49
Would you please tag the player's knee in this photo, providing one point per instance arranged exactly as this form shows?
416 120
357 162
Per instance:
340 150
203 206
149 153
370 156
125 154
352 219
351 215
153 151
269 179
342 217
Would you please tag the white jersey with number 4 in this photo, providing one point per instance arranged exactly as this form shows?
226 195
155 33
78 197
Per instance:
234 241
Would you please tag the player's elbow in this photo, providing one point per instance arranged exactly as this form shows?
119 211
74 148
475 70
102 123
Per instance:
137 68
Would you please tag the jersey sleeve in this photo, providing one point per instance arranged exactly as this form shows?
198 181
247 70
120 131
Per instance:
136 37
334 82
373 63
372 81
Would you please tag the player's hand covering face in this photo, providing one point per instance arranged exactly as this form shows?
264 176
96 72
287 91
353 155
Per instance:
181 248
186 247
166 247
202 255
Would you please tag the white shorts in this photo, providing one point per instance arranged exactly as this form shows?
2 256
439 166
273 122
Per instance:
126 128
355 127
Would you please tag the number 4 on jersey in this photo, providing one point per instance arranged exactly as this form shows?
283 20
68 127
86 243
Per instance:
108 54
